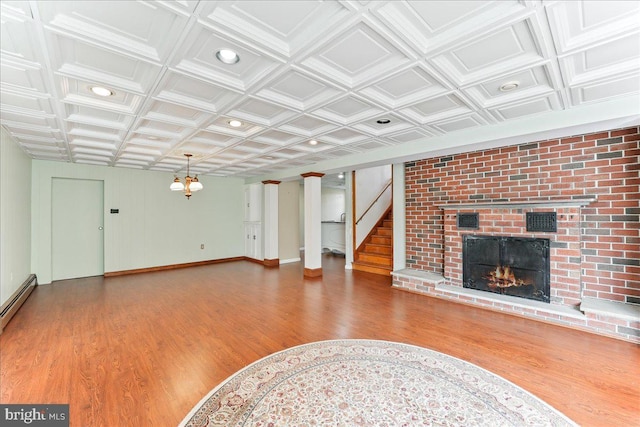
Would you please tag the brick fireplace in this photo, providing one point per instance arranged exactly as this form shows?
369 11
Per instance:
589 182
503 220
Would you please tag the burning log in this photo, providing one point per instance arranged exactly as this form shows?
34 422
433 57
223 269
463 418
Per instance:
503 277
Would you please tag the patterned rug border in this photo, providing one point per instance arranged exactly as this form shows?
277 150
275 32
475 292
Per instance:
367 342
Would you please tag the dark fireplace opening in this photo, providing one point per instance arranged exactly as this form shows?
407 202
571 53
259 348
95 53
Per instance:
516 266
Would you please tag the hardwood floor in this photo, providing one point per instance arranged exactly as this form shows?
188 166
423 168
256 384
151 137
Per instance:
142 350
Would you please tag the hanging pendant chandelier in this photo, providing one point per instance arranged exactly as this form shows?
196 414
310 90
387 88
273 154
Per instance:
191 185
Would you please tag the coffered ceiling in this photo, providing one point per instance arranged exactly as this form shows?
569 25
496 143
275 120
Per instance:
365 80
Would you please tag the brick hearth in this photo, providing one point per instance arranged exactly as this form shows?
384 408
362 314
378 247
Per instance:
592 183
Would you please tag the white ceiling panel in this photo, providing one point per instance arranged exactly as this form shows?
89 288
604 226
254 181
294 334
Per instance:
161 129
149 140
437 108
459 123
408 136
20 119
217 139
579 24
406 86
264 24
132 148
430 25
600 90
78 92
500 51
329 71
375 56
94 132
93 143
140 28
530 82
83 61
619 56
198 148
17 33
245 130
97 117
277 138
36 136
185 90
198 58
344 136
254 147
307 126
384 125
23 77
261 112
347 110
298 91
173 113
526 107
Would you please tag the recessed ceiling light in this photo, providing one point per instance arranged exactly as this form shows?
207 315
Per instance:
227 56
235 123
101 91
509 86
313 142
383 121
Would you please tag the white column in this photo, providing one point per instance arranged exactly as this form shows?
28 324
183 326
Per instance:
399 218
312 224
271 258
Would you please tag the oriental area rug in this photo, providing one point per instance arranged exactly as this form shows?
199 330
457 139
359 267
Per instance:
368 383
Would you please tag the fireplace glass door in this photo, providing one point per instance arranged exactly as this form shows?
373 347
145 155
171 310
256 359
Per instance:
515 266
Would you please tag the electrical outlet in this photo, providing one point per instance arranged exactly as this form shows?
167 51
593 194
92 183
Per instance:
202 246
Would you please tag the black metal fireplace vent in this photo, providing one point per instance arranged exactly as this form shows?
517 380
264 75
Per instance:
542 221
468 220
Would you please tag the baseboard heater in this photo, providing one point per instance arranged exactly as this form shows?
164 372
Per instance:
10 308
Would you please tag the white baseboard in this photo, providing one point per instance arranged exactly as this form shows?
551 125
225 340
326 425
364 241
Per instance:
287 261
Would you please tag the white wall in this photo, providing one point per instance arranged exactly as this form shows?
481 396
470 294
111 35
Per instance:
155 226
289 221
369 183
15 216
333 203
399 218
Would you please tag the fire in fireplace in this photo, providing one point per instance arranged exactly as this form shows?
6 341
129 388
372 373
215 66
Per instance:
504 277
514 266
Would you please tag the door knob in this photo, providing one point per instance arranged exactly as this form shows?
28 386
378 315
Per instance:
101 228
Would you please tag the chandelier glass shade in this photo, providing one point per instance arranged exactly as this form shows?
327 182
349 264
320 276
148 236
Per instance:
191 185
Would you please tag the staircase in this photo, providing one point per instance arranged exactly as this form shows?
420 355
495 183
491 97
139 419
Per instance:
375 254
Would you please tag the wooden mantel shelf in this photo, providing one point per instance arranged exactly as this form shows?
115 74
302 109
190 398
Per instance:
546 203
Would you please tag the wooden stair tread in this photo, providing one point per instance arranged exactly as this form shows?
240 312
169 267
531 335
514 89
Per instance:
378 249
371 268
376 252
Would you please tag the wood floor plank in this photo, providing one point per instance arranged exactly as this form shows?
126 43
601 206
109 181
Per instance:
142 350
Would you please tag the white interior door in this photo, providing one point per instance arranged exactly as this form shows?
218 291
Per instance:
77 240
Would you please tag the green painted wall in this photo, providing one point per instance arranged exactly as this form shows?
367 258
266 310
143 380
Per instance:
155 226
289 221
15 216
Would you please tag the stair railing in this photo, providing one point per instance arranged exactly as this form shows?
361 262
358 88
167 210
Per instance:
366 220
374 201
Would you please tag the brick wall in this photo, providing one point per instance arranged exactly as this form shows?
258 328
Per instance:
604 165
